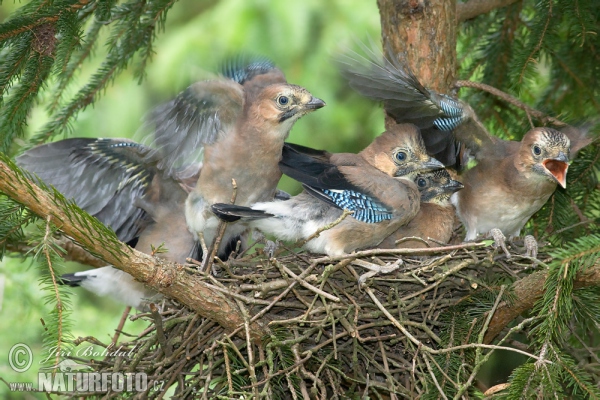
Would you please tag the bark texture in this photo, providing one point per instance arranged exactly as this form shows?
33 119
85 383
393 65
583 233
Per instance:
168 278
425 32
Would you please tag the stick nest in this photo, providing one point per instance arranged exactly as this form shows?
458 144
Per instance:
371 323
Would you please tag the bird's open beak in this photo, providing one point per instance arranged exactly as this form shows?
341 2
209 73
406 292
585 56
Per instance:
558 168
314 104
431 164
453 186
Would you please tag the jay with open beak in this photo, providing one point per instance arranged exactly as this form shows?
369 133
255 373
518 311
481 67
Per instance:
511 181
375 184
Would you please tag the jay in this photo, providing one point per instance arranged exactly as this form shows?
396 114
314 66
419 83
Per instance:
115 181
511 181
240 121
375 184
149 186
435 220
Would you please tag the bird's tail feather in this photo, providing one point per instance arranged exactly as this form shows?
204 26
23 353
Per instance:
72 280
231 213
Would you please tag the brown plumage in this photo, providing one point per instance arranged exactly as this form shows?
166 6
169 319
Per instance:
509 183
435 219
240 121
375 184
512 181
115 181
249 154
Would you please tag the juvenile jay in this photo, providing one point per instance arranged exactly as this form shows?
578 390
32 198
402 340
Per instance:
511 181
241 122
115 181
375 184
435 219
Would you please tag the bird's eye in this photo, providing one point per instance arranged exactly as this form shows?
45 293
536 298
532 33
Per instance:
421 182
401 156
283 100
536 150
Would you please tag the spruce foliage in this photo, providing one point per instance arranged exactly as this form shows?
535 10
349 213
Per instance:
544 52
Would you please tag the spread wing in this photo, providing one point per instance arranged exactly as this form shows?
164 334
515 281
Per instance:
199 115
103 176
328 183
444 121
206 111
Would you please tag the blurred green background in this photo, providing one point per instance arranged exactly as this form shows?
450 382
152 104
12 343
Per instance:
302 38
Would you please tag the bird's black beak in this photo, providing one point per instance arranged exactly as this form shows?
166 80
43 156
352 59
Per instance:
453 186
558 167
314 104
431 164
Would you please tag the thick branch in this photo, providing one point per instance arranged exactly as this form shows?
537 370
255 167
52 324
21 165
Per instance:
527 291
473 8
73 252
168 278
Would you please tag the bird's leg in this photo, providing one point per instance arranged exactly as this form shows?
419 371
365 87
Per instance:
499 241
270 248
531 246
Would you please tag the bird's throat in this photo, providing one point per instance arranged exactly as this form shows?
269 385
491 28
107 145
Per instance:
558 169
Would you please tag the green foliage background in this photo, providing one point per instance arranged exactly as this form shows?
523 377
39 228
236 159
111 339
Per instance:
542 51
302 38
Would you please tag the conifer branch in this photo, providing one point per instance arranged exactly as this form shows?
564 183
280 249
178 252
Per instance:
473 8
527 291
168 278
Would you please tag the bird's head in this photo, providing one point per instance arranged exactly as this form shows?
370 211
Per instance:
436 186
400 152
281 105
546 152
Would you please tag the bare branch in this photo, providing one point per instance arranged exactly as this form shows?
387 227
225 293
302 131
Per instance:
473 8
168 278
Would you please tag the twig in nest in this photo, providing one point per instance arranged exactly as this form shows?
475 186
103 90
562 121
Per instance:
305 284
121 325
263 289
511 100
345 213
376 252
160 333
220 232
412 238
375 269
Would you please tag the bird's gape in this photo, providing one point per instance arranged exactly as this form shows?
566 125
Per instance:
558 169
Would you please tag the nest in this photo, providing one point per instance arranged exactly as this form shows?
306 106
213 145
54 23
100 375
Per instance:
348 327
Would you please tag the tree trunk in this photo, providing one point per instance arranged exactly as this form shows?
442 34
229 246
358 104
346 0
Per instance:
425 32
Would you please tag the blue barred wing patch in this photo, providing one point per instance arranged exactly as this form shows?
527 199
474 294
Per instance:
366 209
453 117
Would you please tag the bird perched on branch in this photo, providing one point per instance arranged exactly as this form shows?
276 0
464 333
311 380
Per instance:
140 191
240 121
117 182
511 181
435 219
375 185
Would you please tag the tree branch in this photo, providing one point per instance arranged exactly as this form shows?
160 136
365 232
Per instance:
73 252
473 8
168 278
527 291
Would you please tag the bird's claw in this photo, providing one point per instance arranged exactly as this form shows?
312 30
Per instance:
500 241
531 246
270 248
